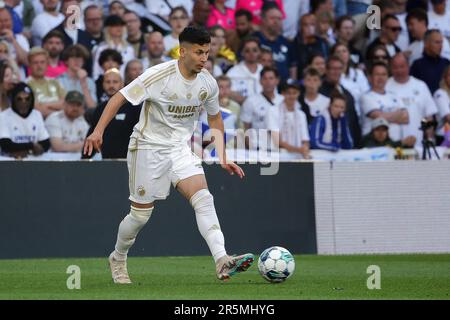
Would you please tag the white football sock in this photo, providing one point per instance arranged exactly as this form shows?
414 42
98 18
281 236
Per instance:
128 230
208 224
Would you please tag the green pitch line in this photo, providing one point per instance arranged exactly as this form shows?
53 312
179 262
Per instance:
316 277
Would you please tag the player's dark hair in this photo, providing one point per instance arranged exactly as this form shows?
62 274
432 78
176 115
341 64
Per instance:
243 13
110 54
195 35
270 69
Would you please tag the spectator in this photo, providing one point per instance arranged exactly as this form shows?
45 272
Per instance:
312 101
417 21
270 35
115 33
257 8
307 43
345 32
414 93
380 103
254 109
390 30
53 43
245 76
67 128
318 62
46 21
178 19
213 55
18 44
116 137
76 78
439 17
442 99
377 54
117 8
133 69
330 130
71 31
379 136
93 22
200 13
155 50
109 59
400 12
296 9
331 83
225 100
221 15
355 7
17 21
430 67
163 8
243 29
135 36
287 122
6 57
352 79
8 81
224 57
22 129
48 93
266 58
325 24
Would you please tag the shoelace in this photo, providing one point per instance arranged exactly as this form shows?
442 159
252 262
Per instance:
120 270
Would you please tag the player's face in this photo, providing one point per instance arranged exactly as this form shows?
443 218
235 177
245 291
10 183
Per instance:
73 110
38 65
337 108
195 56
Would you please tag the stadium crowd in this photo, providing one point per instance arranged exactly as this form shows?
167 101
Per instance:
315 74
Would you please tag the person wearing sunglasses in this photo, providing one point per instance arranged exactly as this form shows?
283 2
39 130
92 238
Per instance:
22 129
390 31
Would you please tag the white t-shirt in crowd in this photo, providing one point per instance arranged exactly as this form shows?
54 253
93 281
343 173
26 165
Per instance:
439 22
417 99
386 102
403 38
161 8
42 24
170 42
244 81
318 105
171 105
442 100
292 125
22 130
70 131
357 84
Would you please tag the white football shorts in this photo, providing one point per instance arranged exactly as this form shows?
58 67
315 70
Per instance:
152 171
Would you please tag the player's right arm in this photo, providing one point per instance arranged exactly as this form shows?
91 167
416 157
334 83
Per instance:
95 140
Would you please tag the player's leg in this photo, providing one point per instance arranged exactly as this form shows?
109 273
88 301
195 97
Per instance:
195 189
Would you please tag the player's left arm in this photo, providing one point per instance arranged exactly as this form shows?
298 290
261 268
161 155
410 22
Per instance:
215 123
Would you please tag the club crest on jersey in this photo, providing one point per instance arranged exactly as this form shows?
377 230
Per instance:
141 191
202 94
189 96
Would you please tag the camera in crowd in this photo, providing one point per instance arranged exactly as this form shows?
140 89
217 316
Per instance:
427 124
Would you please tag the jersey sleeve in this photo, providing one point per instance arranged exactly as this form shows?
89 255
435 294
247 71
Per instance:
135 92
212 100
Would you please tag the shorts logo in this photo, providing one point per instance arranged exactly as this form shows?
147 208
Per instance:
141 191
202 94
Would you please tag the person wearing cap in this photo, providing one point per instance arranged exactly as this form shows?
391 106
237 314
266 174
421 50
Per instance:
115 31
22 129
287 122
67 128
379 136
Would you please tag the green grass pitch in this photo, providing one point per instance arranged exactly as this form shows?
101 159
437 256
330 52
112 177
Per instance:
424 276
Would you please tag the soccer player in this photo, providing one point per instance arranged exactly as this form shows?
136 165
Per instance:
159 153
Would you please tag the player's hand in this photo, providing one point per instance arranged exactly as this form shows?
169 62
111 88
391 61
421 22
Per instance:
94 141
233 168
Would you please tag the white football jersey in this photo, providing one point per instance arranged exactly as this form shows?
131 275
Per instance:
22 130
171 105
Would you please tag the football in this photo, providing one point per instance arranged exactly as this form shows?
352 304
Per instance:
276 264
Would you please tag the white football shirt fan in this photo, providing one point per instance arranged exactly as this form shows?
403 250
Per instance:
22 130
70 131
244 81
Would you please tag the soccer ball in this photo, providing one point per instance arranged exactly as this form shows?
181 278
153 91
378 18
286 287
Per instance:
276 264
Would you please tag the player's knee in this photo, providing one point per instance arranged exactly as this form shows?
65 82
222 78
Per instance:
202 198
141 214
